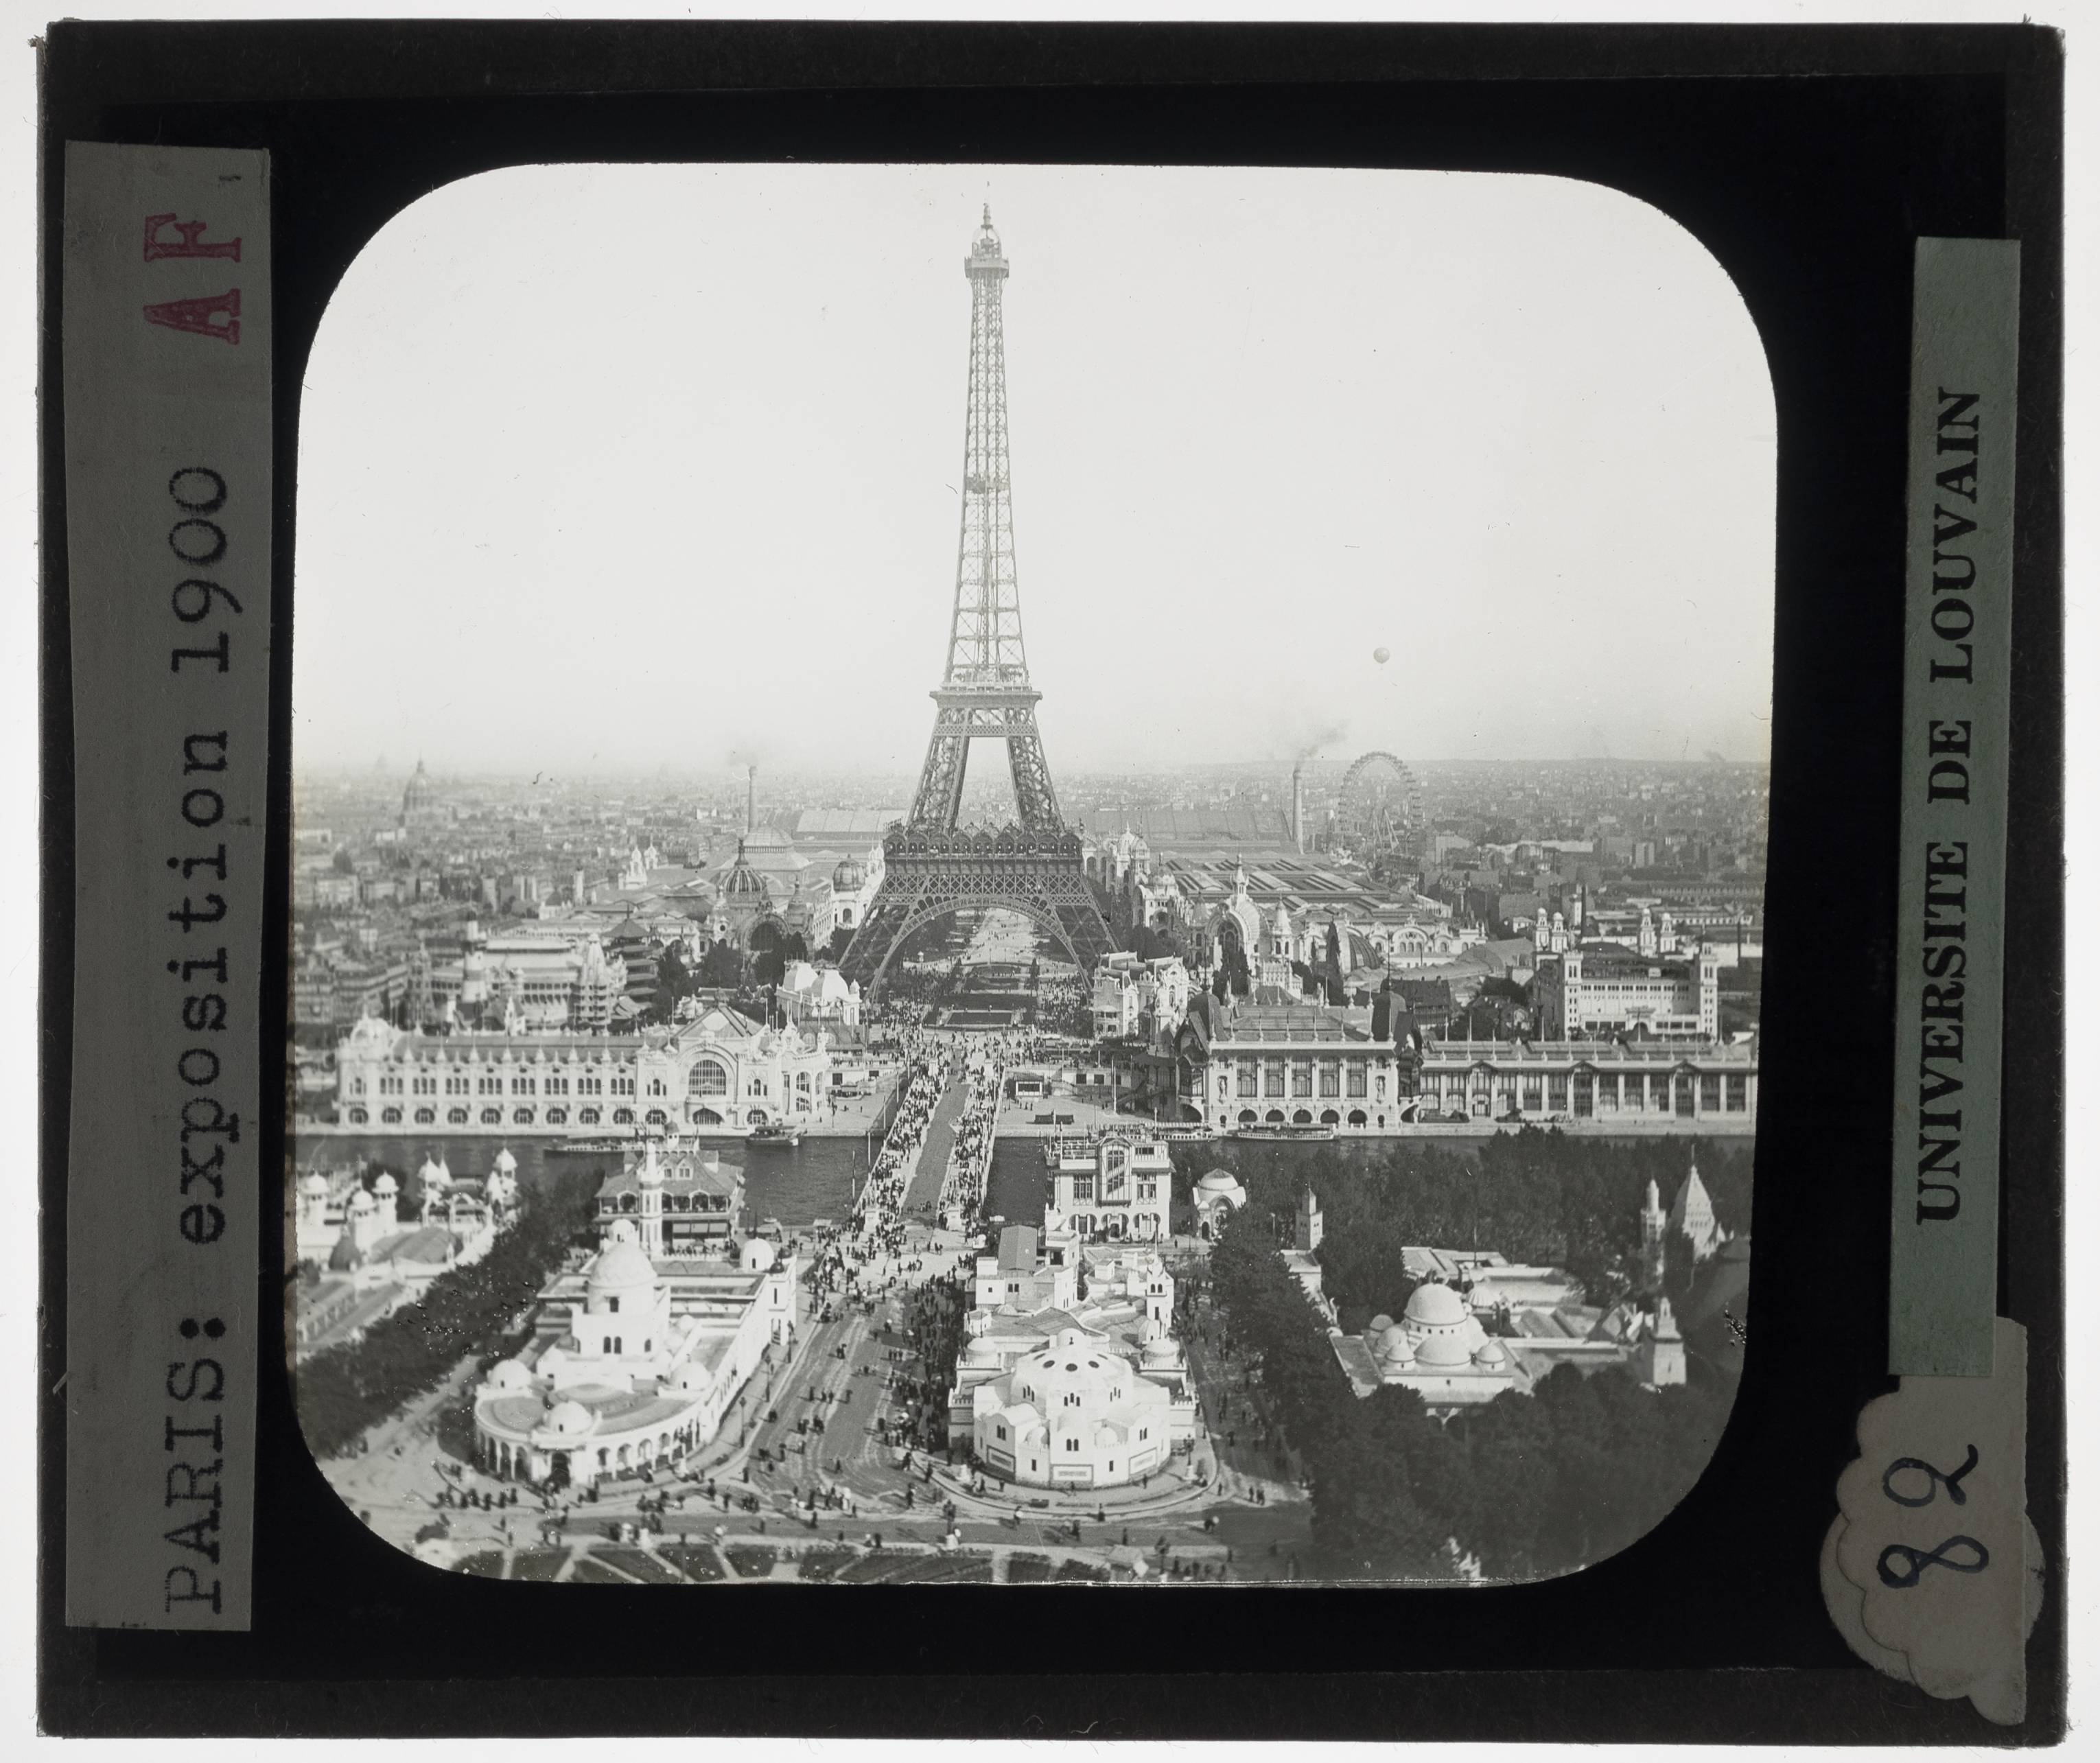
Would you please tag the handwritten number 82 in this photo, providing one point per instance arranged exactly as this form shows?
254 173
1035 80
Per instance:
1974 1557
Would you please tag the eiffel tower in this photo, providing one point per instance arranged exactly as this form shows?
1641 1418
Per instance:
933 865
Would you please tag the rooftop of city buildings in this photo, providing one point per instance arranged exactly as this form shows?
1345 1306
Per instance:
1225 827
615 1411
865 825
1614 961
494 1044
682 1174
1049 1320
1294 1022
1618 1051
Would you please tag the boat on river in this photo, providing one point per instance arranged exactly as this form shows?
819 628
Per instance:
780 1134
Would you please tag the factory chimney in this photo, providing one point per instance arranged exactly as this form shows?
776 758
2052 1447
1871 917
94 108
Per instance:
750 800
1298 806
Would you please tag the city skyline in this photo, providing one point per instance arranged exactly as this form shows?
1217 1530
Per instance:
1303 453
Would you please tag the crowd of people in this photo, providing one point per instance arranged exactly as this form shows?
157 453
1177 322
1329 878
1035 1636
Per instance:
1065 1004
854 1261
933 1325
969 1158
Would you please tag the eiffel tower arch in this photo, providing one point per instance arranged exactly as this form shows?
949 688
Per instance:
932 865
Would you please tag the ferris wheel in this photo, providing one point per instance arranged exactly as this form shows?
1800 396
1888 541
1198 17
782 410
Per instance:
1379 818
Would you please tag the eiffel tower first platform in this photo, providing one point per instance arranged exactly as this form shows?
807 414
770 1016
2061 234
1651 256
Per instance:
932 866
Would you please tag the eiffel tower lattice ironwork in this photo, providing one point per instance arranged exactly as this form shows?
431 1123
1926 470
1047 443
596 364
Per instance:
932 864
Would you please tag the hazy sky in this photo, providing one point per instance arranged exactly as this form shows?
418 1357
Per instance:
611 467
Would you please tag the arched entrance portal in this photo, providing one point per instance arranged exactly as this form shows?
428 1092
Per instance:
1233 956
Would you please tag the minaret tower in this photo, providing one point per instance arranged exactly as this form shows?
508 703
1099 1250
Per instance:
1652 1220
1311 1226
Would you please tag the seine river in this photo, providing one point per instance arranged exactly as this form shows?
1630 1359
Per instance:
1020 1181
814 1180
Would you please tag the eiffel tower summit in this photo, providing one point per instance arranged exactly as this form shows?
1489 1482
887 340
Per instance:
933 865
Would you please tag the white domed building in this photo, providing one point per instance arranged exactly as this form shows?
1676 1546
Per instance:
375 1261
1030 1303
848 892
637 1359
1440 1350
1076 1413
814 994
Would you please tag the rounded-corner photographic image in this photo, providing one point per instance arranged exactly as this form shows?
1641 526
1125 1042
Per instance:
1286 1113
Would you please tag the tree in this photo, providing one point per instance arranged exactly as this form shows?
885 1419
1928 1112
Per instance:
1532 1484
722 967
674 979
343 1390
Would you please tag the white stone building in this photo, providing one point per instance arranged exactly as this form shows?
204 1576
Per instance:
1116 1189
1070 1375
720 1071
1076 1413
543 981
635 1362
1605 989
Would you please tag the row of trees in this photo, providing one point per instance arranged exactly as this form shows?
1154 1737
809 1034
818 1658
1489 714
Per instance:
1529 1485
343 1391
1537 1195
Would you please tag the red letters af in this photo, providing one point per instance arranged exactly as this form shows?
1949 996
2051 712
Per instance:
157 247
198 315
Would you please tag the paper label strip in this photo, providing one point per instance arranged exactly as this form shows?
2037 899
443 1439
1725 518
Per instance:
166 340
1949 955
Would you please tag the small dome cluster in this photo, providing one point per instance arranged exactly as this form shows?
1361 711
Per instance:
1438 1332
